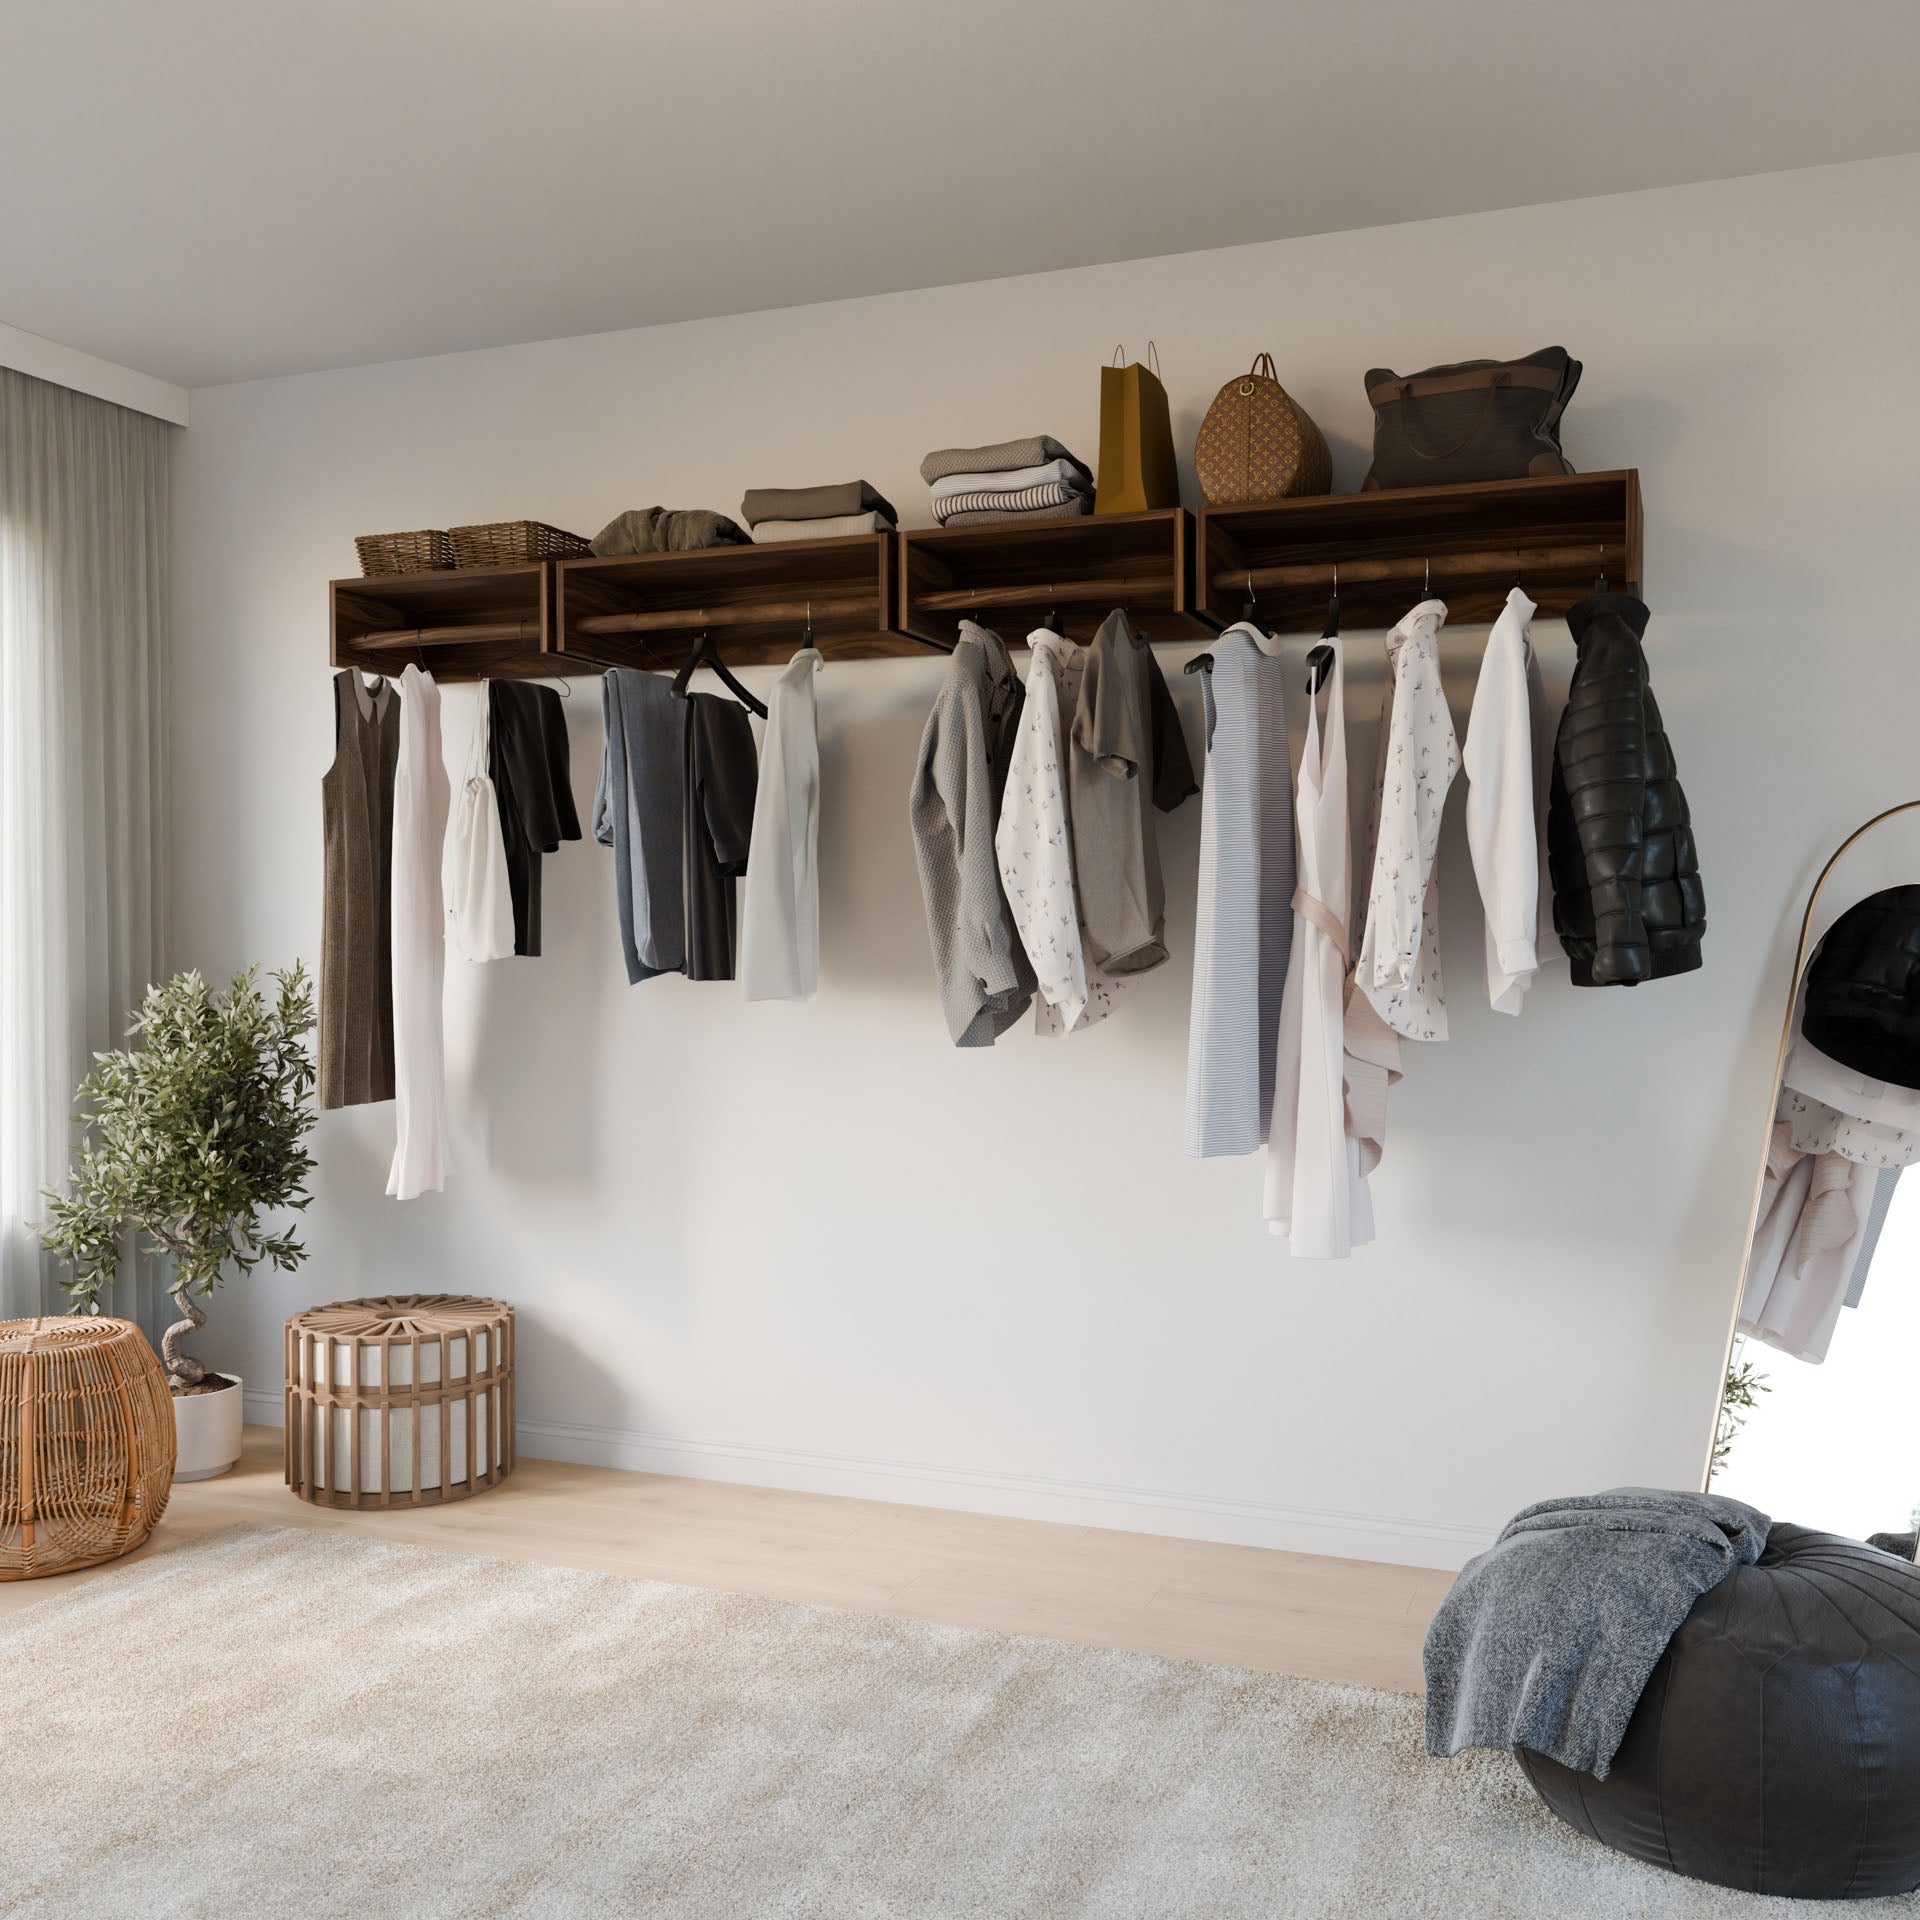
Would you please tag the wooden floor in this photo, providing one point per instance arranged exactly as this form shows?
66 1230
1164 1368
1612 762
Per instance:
1352 1620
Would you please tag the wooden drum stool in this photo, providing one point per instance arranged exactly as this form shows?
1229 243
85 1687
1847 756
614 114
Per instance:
86 1443
399 1402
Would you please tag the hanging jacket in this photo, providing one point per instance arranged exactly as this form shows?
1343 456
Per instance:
1863 988
1627 903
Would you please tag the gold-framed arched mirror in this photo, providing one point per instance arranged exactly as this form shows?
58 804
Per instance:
1816 1421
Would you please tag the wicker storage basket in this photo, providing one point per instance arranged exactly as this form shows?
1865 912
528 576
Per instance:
403 1401
512 543
86 1443
428 550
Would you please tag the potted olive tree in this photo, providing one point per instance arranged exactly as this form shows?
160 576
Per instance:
188 1140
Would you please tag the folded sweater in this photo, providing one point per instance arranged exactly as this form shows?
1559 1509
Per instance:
813 503
1027 500
667 530
999 515
1015 480
1002 457
765 532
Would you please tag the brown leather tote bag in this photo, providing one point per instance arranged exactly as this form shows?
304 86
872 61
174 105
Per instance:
1473 420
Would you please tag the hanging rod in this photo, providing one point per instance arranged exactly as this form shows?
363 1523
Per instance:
1037 593
395 638
1445 566
758 613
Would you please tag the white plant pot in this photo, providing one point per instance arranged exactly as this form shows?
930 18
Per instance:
207 1429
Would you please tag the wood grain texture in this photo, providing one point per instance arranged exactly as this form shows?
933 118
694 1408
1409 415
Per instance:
1551 536
1346 1620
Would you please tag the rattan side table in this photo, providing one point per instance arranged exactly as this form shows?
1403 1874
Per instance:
400 1401
86 1443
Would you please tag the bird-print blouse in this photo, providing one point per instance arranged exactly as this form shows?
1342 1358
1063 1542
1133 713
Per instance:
1034 845
1398 966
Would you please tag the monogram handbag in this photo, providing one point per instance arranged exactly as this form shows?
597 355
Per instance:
1258 443
1136 440
1474 420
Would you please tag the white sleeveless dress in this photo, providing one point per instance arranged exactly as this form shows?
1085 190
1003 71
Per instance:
1316 1195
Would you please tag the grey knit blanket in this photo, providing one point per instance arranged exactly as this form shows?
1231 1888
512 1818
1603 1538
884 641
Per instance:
1547 1640
1004 456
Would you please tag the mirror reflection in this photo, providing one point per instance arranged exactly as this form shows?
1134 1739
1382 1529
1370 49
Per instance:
1819 1421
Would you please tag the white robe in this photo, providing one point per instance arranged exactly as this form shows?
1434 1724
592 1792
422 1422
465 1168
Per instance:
1398 965
780 897
1316 1193
1509 764
419 945
473 868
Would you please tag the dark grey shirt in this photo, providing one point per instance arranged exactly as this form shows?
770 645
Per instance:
986 981
1116 852
637 811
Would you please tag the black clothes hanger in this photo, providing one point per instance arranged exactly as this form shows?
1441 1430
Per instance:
706 654
1052 622
1320 660
1249 617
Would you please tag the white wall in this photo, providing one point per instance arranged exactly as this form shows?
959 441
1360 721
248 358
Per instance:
816 1246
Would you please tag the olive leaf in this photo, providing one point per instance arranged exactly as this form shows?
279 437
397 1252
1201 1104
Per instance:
189 1139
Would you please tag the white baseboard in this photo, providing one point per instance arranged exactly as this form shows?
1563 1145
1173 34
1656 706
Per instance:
1353 1536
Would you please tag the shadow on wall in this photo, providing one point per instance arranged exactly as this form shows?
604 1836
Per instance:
542 1020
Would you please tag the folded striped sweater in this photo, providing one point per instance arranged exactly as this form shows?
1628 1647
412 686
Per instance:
1052 493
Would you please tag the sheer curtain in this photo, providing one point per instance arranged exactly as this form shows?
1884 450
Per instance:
83 591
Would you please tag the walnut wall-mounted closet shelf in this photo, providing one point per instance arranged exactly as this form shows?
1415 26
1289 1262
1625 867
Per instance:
458 625
647 610
1550 536
1009 577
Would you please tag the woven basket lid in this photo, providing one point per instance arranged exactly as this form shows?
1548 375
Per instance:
63 1333
402 1316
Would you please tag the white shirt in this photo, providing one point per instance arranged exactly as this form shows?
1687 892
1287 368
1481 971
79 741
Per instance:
780 898
1034 847
1316 1189
1509 765
473 869
419 944
1398 967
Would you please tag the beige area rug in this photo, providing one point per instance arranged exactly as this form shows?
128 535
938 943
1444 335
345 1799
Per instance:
276 1722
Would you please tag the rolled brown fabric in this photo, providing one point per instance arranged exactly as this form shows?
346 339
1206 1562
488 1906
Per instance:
813 503
667 530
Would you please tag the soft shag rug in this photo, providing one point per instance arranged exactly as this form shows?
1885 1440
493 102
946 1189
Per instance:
278 1722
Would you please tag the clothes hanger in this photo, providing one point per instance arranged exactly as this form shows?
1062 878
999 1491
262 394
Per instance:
1320 660
705 654
1249 617
1600 585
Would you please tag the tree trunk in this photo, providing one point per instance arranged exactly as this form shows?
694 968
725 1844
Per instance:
183 1370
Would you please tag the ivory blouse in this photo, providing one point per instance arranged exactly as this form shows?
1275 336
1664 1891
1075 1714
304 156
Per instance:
1398 967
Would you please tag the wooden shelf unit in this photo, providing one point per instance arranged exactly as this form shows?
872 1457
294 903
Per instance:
462 624
1008 577
1551 536
646 610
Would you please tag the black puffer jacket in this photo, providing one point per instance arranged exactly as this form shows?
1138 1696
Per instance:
1863 988
1627 903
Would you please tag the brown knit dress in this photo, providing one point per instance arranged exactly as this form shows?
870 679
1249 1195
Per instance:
356 949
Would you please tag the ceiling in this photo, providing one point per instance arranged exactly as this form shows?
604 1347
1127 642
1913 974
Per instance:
218 190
